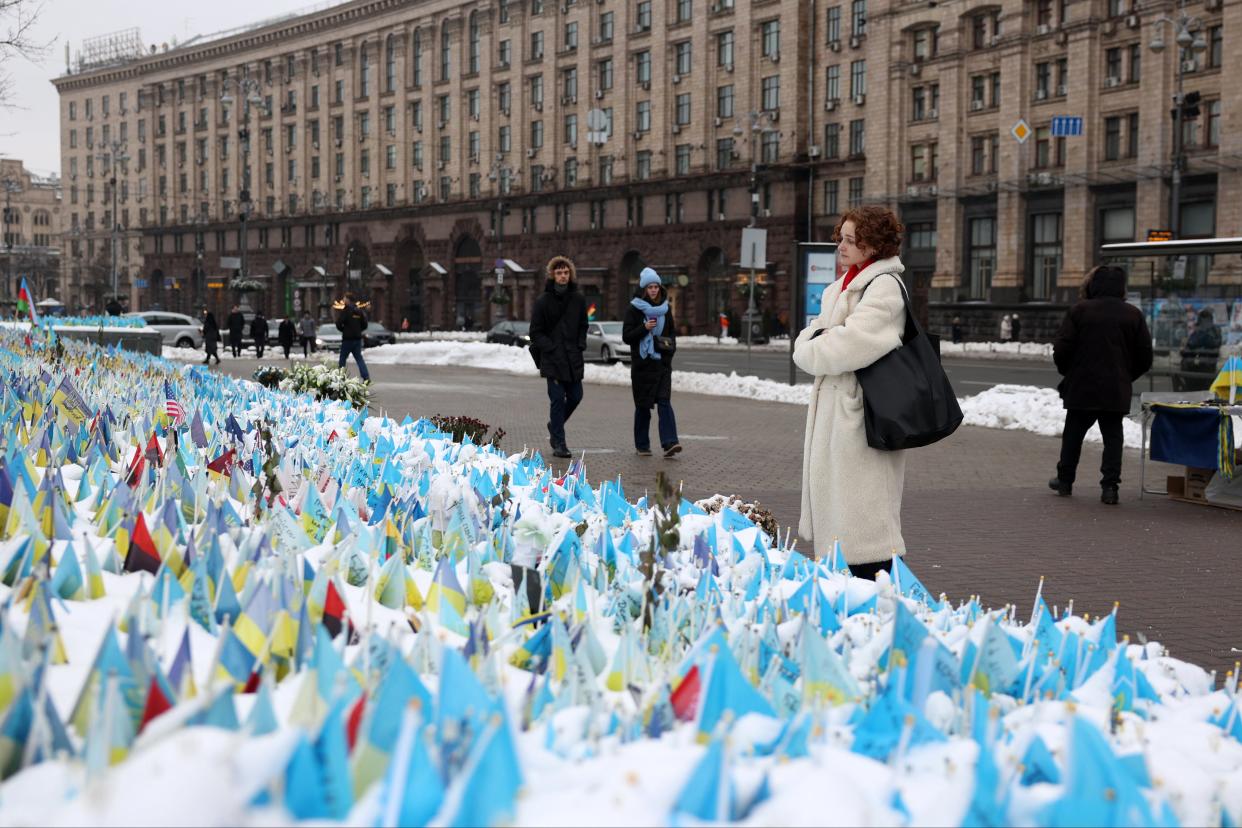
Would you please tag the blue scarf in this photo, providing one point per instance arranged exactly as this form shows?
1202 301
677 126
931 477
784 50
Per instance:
646 348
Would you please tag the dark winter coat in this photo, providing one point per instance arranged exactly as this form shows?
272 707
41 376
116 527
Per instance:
258 329
1202 347
650 379
211 331
351 322
558 329
237 327
286 333
1102 347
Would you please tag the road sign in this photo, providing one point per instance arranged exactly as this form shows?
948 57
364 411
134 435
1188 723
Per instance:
597 126
1021 131
754 248
1066 125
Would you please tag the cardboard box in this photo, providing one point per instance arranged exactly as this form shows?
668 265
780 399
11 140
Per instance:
1196 482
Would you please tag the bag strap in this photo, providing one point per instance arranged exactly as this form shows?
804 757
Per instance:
913 328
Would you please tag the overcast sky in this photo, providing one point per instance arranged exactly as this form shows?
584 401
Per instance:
29 127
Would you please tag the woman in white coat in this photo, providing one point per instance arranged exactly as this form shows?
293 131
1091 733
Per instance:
851 492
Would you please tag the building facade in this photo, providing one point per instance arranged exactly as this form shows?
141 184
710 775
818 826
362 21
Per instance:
32 232
404 149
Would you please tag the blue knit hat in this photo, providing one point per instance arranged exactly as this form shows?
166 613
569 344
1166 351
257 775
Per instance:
649 277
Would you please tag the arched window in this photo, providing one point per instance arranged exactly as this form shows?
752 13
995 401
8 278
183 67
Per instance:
390 64
418 57
474 42
445 55
364 71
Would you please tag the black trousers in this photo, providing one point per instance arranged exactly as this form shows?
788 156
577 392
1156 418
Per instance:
534 585
1077 423
869 570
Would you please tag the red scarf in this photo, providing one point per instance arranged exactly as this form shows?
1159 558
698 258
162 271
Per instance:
854 271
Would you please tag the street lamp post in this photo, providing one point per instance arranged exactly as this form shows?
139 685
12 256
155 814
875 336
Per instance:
11 185
500 174
1189 38
200 290
111 156
760 122
248 89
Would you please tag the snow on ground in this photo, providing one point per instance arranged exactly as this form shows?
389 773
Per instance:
996 350
766 689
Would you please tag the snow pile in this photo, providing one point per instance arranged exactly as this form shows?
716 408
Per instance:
281 611
1037 410
437 336
996 350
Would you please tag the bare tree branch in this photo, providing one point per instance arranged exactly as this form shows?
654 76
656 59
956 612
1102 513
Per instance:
17 38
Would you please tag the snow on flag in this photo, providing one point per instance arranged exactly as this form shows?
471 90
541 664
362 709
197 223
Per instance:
296 558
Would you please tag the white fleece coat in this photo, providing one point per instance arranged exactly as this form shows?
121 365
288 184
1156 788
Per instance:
850 491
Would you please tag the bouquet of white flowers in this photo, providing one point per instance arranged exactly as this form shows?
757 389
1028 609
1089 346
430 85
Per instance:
327 382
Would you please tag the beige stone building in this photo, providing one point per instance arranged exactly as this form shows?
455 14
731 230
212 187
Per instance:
402 149
31 222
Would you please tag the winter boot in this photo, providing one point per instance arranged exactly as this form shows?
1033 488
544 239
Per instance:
1061 487
1108 495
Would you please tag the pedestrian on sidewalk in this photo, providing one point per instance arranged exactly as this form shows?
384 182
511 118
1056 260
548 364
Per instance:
306 328
237 329
285 334
1016 327
651 332
850 491
558 328
211 337
352 322
258 332
957 330
1103 346
1006 328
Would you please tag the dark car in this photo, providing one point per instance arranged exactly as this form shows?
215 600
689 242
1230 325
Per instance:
377 334
510 332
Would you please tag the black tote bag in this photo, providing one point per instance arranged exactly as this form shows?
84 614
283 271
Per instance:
908 400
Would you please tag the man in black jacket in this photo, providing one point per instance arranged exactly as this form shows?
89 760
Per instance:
259 332
351 322
1103 346
237 328
558 328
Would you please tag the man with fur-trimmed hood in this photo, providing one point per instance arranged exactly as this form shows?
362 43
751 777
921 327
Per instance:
558 328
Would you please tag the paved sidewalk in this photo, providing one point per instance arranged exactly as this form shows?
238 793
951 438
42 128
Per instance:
977 515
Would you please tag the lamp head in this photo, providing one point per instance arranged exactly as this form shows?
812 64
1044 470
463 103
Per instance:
1185 38
1157 44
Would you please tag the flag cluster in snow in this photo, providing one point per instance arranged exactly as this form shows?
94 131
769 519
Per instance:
267 609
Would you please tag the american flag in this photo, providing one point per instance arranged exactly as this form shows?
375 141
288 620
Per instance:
171 406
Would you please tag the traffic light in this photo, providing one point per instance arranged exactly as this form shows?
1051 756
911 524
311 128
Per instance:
1190 105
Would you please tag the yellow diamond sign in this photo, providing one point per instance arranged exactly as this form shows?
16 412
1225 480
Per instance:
1021 131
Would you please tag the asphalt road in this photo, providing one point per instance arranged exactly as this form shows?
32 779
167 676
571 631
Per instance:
969 376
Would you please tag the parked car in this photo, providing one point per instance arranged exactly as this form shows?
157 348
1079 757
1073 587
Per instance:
377 334
328 338
510 332
604 343
178 329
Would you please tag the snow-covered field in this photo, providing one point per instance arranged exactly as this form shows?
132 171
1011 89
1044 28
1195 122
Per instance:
279 610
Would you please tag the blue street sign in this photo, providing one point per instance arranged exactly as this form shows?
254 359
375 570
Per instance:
1066 125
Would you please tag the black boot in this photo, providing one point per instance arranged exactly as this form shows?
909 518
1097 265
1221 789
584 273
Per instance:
1061 487
1108 495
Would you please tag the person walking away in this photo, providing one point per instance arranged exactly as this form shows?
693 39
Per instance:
957 330
1015 325
1200 354
558 327
306 327
285 335
351 322
651 332
1102 347
1006 328
237 329
113 307
850 491
211 337
258 332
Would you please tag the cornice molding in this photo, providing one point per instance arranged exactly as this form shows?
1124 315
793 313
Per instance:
258 40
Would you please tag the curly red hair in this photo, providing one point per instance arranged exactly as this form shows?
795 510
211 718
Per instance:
874 226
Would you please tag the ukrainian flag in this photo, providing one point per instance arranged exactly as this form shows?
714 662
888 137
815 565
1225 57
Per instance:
1228 383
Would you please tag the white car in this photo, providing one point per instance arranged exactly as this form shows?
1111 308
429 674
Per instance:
604 343
178 329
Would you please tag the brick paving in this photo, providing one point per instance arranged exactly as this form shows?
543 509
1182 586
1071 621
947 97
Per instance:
977 516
